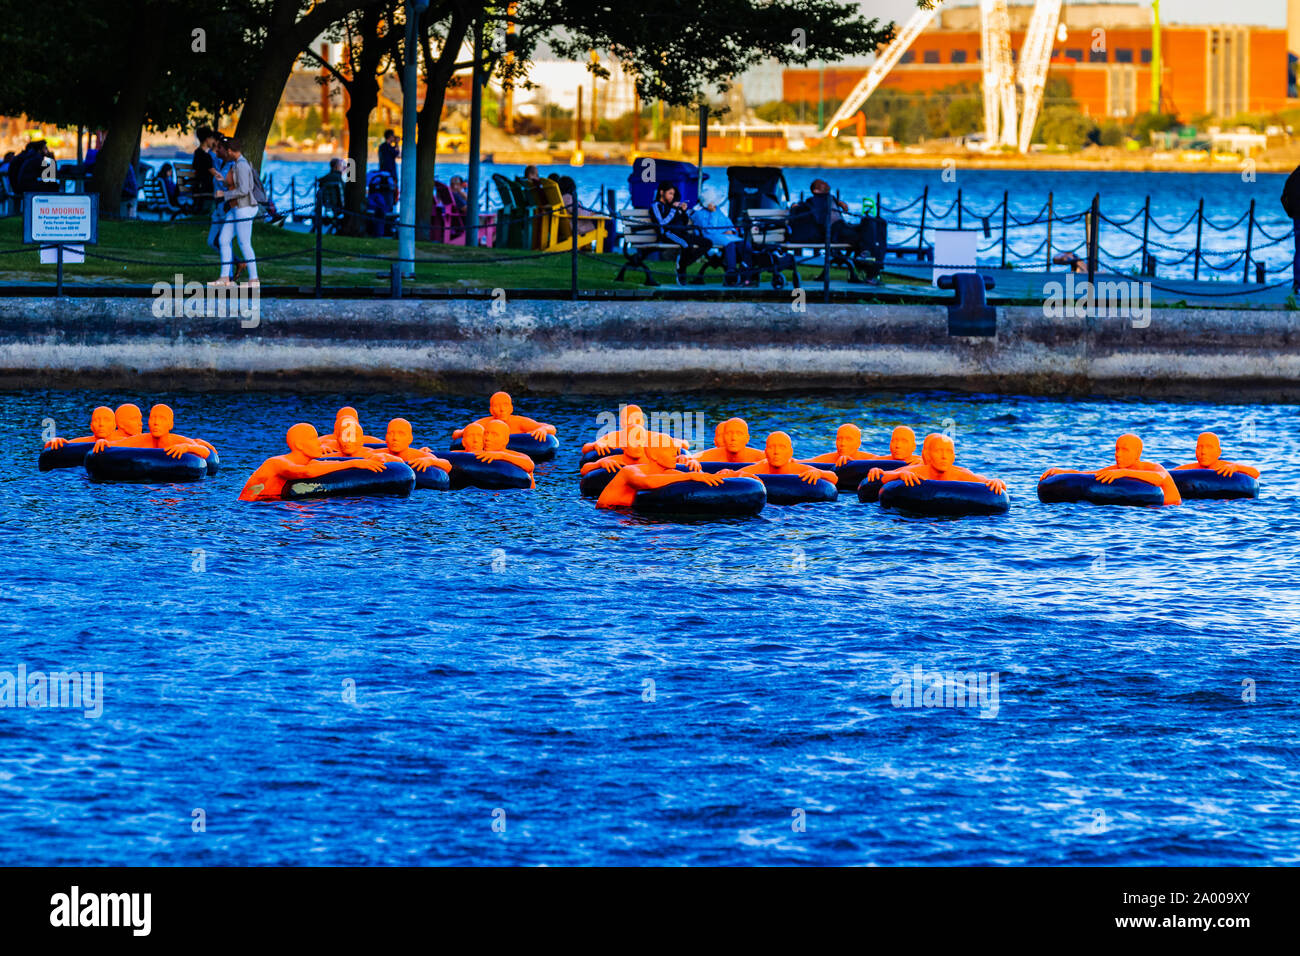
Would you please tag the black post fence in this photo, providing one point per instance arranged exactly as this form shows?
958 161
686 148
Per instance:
319 229
1200 221
1050 214
1250 234
1005 197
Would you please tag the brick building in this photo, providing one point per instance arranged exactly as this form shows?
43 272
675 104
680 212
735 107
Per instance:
1106 58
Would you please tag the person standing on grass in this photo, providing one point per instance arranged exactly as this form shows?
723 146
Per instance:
236 196
221 163
1291 205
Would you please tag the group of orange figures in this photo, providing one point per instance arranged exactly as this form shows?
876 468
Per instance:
637 458
312 455
650 459
124 428
643 460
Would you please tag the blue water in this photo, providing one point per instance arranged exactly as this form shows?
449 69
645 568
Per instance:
500 645
1174 201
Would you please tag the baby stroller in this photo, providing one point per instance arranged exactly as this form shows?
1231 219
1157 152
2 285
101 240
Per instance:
757 197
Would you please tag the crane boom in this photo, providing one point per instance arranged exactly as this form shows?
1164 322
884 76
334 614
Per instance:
999 75
1034 59
886 60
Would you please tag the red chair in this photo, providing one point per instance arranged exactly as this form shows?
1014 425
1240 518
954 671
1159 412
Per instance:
446 219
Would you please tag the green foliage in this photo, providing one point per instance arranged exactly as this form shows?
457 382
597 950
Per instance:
1063 126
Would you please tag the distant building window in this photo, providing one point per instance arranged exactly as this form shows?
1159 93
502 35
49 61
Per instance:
1146 55
958 56
1075 55
930 56
908 57
1123 56
1096 56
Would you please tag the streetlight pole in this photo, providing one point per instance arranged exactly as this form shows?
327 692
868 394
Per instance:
410 82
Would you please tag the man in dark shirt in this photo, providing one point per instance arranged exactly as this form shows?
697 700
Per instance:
388 154
200 183
1291 203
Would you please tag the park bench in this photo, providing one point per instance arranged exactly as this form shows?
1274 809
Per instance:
640 242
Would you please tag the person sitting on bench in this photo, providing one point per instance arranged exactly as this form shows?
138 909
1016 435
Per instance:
808 224
669 215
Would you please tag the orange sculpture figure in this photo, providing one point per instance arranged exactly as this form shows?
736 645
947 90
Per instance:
398 442
332 443
1207 456
735 444
130 420
268 481
489 444
1129 464
350 441
778 459
657 469
102 426
630 416
902 446
502 408
848 447
937 457
159 435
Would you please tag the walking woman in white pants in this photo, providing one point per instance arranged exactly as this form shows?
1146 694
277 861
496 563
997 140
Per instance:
241 210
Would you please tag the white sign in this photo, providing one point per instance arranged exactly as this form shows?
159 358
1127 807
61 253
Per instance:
50 254
954 251
56 217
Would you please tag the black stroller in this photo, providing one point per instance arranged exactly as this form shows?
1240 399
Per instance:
757 197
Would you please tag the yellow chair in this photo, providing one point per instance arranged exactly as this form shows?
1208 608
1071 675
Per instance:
559 237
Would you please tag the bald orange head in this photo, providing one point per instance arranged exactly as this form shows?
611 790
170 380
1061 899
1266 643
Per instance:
630 416
102 422
500 405
938 452
398 437
161 420
779 449
1128 450
130 420
735 435
1208 449
496 436
848 438
471 439
902 443
303 439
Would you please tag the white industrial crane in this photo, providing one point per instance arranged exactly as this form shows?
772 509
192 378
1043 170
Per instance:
1000 75
1034 59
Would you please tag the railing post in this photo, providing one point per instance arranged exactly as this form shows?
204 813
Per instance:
1200 219
959 208
573 245
293 193
920 233
1094 233
1146 231
826 256
320 229
1004 228
1250 234
1050 214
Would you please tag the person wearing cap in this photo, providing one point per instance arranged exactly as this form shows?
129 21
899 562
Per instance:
722 232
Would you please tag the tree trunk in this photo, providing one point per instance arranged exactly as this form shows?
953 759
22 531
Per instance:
124 126
365 97
263 99
438 73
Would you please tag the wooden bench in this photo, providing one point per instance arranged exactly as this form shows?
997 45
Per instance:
640 242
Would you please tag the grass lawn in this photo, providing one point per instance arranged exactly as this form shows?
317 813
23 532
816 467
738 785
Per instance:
139 252
142 252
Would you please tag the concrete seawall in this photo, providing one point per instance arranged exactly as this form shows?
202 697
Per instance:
612 346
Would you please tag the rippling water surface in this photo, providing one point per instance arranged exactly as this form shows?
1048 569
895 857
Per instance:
502 645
